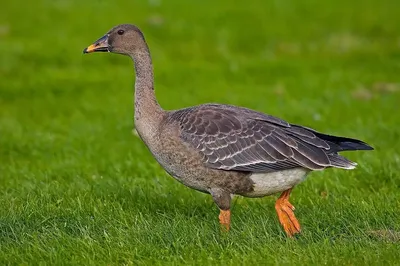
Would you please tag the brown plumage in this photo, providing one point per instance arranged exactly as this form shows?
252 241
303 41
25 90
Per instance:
234 138
225 150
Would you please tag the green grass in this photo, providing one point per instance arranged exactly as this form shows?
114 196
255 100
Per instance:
78 188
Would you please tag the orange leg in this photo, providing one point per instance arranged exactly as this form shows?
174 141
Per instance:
225 219
286 215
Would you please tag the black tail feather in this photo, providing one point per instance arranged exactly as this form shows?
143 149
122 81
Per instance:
344 144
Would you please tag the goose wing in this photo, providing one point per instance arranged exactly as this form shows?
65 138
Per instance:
240 139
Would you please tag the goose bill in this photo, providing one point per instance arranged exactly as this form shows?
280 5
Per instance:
101 45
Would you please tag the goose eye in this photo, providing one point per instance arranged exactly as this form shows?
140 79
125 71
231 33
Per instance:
120 32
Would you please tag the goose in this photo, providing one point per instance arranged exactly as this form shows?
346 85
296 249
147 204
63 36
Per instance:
225 150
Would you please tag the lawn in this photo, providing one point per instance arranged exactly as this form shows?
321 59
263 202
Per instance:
78 187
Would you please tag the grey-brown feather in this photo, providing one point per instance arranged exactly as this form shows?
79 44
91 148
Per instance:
240 139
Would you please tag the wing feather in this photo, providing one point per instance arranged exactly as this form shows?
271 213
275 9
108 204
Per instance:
234 138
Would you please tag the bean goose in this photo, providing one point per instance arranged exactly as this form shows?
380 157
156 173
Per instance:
222 149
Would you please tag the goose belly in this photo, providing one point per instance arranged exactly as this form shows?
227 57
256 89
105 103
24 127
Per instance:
265 184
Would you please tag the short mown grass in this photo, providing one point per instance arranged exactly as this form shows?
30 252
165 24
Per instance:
77 187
